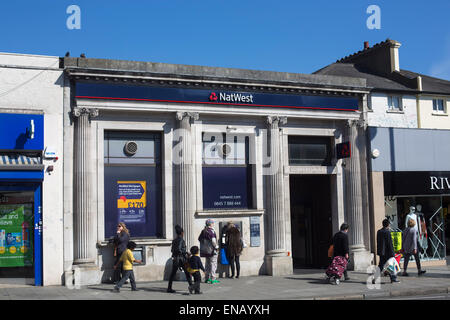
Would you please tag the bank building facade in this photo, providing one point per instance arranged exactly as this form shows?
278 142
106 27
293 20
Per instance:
153 145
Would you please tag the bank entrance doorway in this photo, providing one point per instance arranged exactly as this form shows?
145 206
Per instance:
311 224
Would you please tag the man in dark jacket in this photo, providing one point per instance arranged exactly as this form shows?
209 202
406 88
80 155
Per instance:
385 248
178 257
340 245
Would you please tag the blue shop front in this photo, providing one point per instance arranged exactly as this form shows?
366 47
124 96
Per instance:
21 176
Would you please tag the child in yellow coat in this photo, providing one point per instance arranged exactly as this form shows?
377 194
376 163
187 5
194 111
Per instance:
127 259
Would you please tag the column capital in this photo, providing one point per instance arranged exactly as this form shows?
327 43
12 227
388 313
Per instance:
91 112
359 123
275 121
191 115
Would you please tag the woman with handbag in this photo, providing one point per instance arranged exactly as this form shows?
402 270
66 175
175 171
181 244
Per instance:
410 247
234 249
208 250
179 258
120 241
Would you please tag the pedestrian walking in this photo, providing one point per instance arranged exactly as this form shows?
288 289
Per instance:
120 241
340 246
179 257
234 247
127 259
410 247
385 248
208 249
194 266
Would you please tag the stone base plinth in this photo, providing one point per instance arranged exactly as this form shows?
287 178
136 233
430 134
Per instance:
83 275
279 265
360 260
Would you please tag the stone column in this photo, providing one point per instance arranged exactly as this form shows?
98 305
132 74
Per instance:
184 171
84 245
360 257
277 261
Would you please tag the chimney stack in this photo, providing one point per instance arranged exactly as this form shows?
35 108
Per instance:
366 45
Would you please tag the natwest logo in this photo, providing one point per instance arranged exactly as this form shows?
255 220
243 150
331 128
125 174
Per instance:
231 97
213 96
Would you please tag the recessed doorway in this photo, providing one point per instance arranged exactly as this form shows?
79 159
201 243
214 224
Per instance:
311 220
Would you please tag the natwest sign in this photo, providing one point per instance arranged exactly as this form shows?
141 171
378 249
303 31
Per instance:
106 91
231 97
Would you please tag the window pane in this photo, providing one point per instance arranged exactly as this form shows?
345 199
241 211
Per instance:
309 151
132 189
16 231
394 103
147 224
430 222
226 188
221 149
438 105
146 149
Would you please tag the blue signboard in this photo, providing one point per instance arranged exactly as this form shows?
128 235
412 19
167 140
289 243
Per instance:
86 90
255 232
225 188
21 131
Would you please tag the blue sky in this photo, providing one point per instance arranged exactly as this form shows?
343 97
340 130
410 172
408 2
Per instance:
292 36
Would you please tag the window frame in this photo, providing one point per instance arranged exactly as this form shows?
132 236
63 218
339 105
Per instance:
152 162
248 139
400 104
328 161
444 106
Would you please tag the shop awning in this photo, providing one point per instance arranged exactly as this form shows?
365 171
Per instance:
21 162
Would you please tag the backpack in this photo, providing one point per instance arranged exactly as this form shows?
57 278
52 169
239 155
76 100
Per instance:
177 251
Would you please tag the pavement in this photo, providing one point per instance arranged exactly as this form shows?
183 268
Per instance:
304 284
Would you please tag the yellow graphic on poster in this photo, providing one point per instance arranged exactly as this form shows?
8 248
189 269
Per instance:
132 201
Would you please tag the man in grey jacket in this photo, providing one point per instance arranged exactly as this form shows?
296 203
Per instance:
409 247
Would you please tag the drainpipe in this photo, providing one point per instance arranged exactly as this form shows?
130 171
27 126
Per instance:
419 88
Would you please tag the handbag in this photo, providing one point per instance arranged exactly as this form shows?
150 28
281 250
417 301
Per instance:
396 240
392 266
330 251
223 257
206 248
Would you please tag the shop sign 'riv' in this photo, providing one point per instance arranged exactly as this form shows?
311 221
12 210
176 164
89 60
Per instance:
416 182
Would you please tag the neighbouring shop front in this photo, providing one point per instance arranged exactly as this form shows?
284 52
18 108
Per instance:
410 175
21 175
427 196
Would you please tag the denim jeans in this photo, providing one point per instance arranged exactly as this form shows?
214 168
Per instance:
127 274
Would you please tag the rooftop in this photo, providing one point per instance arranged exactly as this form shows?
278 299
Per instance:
379 65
